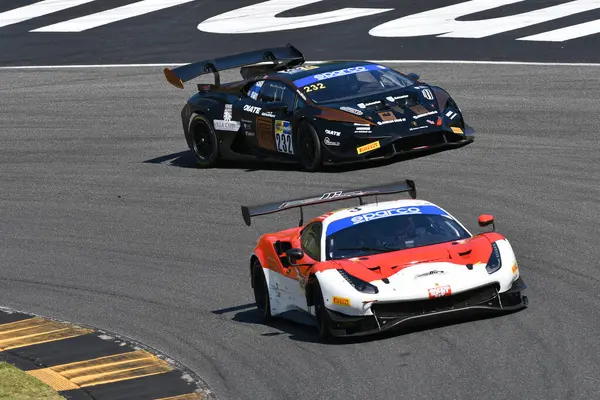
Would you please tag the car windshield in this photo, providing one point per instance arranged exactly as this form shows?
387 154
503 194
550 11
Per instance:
390 230
362 80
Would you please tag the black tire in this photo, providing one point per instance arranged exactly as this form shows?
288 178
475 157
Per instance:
204 142
261 291
323 320
308 147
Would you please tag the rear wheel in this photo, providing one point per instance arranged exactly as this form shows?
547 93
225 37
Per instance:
323 320
309 147
204 141
261 291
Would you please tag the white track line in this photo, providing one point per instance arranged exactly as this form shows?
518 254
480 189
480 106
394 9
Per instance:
37 10
110 16
552 64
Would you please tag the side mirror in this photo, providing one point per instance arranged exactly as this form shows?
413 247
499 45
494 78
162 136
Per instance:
413 76
294 255
485 220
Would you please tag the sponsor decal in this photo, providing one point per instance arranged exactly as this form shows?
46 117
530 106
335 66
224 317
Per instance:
264 133
439 291
227 112
340 72
333 195
430 122
456 130
451 114
368 147
269 114
365 105
344 223
249 133
299 69
334 74
332 133
391 121
384 214
328 142
418 109
247 125
363 131
515 268
418 127
341 301
434 272
394 98
255 89
424 115
252 109
221 125
351 110
428 94
283 136
386 116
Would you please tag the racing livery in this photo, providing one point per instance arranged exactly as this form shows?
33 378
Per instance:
382 265
329 113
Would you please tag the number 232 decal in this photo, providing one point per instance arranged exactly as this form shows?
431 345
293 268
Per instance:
284 143
314 87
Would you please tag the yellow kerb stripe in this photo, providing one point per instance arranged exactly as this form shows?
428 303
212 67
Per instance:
115 368
35 331
52 379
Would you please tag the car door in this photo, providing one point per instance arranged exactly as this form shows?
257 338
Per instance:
268 112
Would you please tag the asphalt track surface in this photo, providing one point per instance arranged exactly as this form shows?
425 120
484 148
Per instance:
172 34
105 222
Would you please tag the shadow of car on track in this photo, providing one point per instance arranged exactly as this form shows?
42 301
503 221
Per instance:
308 333
186 159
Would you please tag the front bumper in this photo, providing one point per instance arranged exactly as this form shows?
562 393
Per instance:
392 146
389 316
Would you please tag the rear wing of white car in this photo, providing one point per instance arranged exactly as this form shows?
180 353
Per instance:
390 188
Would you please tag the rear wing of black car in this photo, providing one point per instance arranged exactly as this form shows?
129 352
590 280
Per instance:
390 188
286 55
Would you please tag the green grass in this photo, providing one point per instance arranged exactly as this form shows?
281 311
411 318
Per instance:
17 385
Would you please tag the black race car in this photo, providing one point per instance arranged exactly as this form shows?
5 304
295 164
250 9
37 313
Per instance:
327 113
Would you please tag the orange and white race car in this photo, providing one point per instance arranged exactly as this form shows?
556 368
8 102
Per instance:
379 266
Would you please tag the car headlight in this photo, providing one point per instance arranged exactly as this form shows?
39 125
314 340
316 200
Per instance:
359 284
495 262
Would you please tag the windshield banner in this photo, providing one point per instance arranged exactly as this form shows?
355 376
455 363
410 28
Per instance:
334 74
338 225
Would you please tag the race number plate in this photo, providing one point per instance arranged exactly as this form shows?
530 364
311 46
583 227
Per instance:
283 137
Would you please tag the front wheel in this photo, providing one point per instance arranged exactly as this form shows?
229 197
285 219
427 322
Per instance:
204 141
323 320
309 147
261 291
